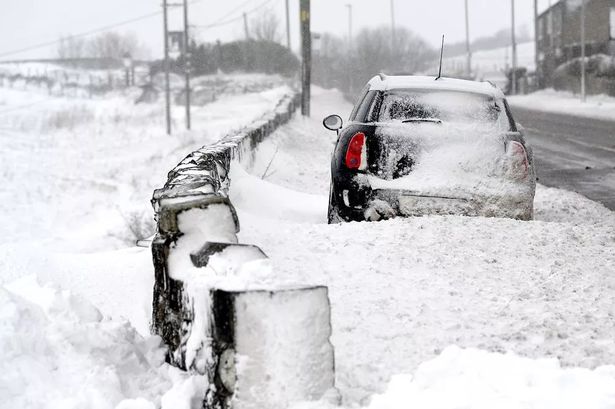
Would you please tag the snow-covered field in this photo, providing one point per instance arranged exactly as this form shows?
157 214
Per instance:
78 176
431 312
564 102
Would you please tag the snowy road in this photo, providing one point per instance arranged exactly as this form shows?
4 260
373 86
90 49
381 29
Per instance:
572 152
403 290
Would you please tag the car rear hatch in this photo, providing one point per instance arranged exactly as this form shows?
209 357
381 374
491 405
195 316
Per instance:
439 168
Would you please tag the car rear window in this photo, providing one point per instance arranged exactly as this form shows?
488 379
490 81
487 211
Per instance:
446 106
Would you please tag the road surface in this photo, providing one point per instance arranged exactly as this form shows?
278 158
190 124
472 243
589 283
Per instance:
573 153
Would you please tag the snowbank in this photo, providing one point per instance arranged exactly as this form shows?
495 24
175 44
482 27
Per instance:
59 352
475 379
564 102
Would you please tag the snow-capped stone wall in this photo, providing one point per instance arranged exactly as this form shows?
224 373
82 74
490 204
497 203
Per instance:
199 180
196 255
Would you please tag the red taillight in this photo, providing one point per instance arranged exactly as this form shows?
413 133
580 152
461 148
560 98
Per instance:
520 164
355 151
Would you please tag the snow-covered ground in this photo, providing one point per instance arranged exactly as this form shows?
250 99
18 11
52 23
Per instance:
564 102
404 290
78 175
518 299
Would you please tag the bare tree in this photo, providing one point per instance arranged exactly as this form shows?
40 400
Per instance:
372 53
112 45
107 45
71 47
266 26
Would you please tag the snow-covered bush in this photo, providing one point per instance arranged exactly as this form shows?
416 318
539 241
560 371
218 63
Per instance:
138 225
600 70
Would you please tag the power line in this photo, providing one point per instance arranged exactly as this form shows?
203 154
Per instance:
220 23
84 34
87 33
230 13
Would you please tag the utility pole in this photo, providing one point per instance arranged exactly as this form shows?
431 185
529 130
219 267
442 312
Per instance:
245 26
287 26
167 86
349 60
306 54
349 6
514 50
393 42
468 51
187 65
583 75
536 46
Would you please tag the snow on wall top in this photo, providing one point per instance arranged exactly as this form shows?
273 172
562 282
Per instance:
429 82
205 170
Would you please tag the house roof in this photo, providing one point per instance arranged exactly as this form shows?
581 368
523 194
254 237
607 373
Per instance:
555 5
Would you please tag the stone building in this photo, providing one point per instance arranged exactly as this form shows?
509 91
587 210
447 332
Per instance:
559 34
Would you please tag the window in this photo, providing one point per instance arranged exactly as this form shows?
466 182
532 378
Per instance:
364 108
362 95
447 106
557 21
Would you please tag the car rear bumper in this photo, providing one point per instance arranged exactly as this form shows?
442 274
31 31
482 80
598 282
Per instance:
408 203
375 204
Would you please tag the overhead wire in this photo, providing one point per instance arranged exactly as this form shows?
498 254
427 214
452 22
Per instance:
220 22
230 13
87 33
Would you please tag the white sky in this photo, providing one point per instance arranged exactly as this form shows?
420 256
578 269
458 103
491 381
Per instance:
27 22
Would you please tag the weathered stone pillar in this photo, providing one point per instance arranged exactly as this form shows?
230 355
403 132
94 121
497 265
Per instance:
270 348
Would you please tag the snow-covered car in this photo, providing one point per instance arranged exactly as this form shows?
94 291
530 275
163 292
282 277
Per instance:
416 145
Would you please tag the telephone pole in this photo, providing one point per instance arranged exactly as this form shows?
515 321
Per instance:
468 50
287 26
167 86
349 6
393 27
536 47
306 53
583 75
245 26
187 65
514 51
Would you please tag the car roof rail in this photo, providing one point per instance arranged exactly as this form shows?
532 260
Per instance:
490 83
382 76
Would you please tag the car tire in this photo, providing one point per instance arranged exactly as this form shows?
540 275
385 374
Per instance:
333 216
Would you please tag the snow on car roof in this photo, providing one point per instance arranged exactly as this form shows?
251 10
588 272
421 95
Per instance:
388 82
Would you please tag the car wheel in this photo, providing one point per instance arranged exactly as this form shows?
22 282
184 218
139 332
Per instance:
333 216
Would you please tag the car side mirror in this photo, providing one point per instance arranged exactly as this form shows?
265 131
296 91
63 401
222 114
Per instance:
333 123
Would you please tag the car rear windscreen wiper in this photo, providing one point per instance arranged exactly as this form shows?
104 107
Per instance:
417 119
